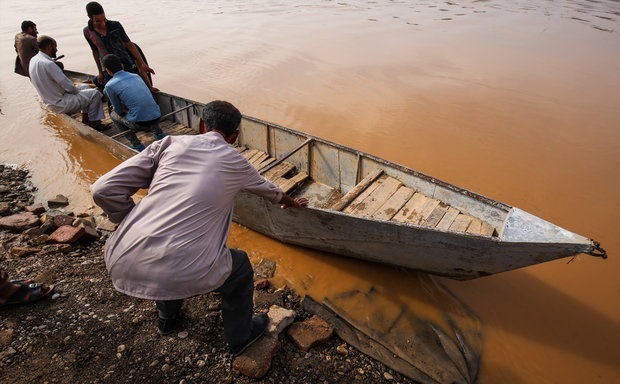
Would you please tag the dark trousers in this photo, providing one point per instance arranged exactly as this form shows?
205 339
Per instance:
237 300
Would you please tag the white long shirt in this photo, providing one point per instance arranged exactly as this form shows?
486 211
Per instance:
172 244
57 90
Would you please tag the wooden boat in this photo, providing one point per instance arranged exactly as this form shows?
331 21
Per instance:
366 207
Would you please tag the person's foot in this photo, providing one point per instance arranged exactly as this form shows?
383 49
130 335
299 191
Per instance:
25 292
259 326
166 326
97 125
140 147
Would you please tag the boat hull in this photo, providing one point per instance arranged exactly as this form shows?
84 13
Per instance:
455 255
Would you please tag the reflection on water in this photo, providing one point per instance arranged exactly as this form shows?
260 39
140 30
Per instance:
517 100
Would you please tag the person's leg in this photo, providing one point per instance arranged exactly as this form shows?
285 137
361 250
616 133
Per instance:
168 314
126 126
237 299
93 104
168 309
158 134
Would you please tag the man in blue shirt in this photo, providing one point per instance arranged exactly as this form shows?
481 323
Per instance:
134 106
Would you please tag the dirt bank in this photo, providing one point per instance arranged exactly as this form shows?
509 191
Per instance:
89 333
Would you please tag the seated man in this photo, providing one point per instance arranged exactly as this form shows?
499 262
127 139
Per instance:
26 47
57 90
134 106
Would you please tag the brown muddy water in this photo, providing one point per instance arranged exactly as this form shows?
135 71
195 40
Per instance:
516 100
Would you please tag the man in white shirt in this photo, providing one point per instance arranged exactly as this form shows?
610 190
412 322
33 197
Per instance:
172 244
57 90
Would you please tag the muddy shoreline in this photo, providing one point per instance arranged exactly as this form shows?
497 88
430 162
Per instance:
89 333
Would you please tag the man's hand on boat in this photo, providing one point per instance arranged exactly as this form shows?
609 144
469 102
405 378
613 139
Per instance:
289 202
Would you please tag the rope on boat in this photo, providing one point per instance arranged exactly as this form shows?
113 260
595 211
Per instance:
598 251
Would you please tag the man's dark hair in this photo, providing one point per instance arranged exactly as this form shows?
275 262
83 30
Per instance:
221 116
27 24
93 8
112 62
45 41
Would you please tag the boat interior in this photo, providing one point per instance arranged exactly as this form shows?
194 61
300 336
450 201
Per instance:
338 178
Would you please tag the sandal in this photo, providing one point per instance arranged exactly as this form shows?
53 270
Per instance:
28 293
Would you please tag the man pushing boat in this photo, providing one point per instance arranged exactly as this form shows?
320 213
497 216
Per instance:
172 244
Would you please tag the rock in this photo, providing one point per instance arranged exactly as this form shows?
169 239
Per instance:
261 284
121 348
87 221
342 349
256 360
33 232
309 333
183 335
90 233
106 225
23 251
58 201
39 240
279 319
36 209
60 220
47 227
5 337
19 221
55 248
55 296
264 270
5 208
387 376
267 299
66 234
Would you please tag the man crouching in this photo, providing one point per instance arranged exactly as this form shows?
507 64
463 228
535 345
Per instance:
172 244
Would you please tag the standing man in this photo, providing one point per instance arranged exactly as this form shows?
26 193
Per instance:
57 90
107 36
172 244
134 106
26 47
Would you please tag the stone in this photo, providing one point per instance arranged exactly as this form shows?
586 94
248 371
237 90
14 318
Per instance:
58 201
19 221
261 284
86 221
265 269
279 319
47 227
256 360
307 334
23 251
267 299
60 220
5 337
90 233
33 232
37 209
66 234
106 225
5 208
39 240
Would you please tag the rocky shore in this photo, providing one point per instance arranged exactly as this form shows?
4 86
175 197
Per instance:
86 332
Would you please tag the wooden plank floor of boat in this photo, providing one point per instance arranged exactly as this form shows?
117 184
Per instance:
384 197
